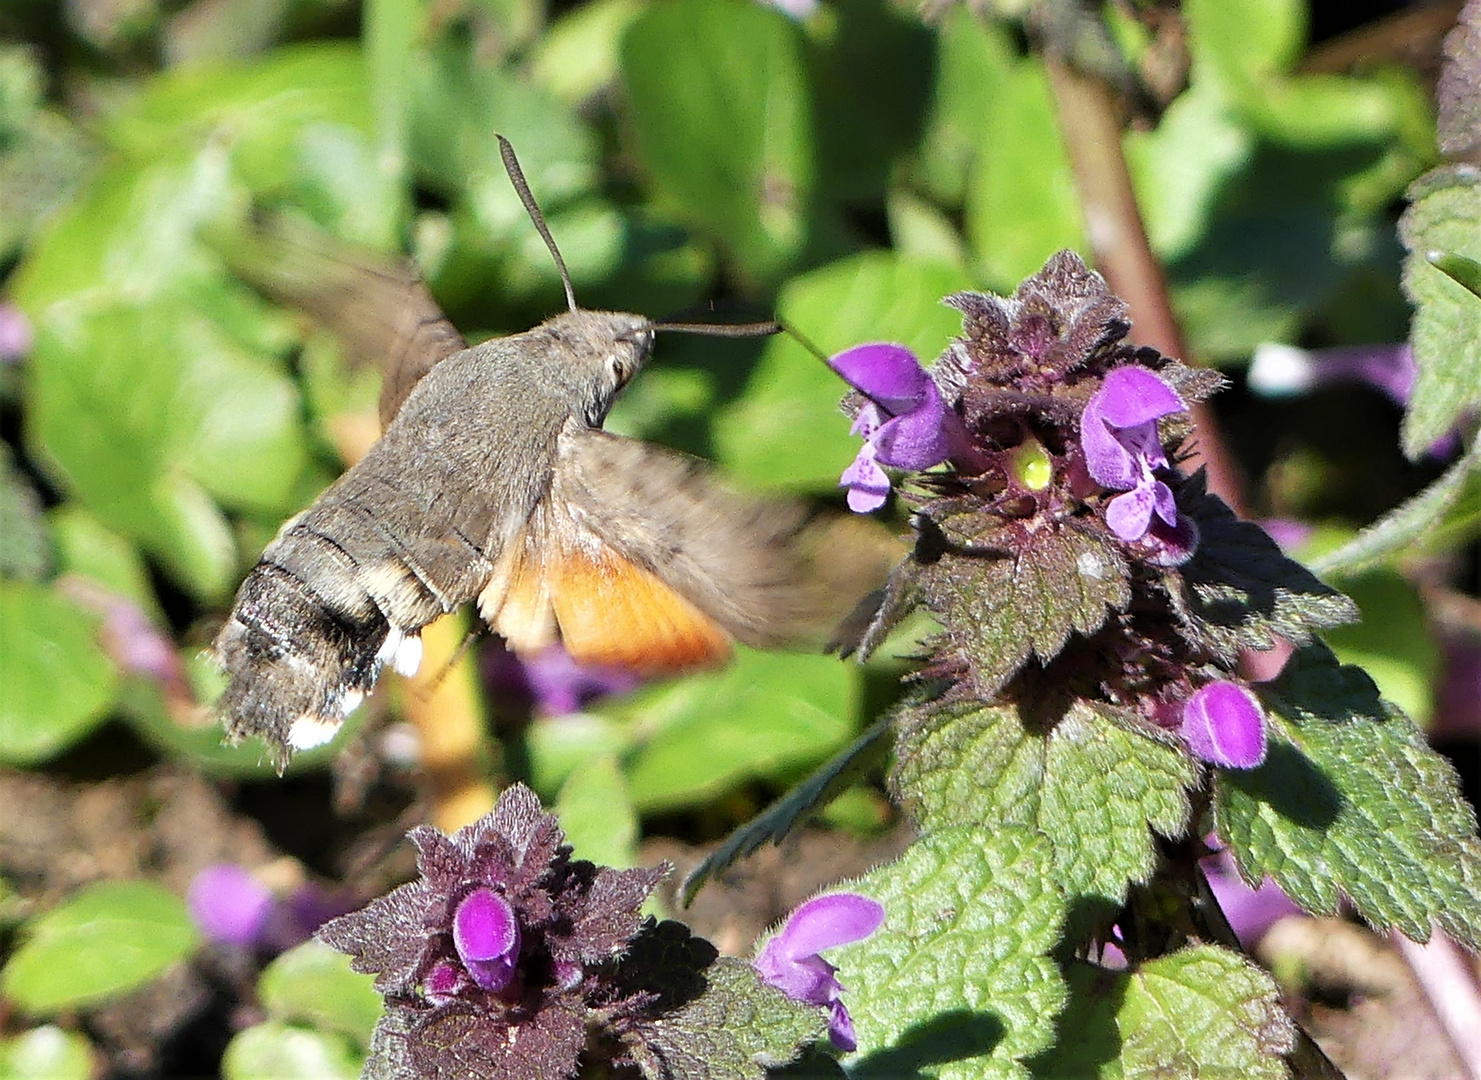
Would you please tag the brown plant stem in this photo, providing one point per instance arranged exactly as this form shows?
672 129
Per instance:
1086 108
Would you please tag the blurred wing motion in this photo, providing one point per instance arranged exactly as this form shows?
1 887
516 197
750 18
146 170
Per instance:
643 557
377 305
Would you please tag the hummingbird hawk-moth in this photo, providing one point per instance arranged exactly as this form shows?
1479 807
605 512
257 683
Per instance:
494 482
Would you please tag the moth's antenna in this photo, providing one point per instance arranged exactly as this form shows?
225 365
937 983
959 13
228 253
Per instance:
522 188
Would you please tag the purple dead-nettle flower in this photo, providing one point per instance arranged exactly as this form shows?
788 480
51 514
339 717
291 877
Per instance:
486 935
16 336
1123 452
1223 724
229 905
494 959
904 421
790 960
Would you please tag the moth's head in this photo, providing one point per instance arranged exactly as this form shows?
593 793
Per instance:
599 352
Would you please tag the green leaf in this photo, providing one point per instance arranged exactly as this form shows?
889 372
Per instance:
390 35
26 553
275 1051
46 1053
1394 641
1199 1012
1180 167
577 55
765 714
597 814
1239 591
1096 789
314 985
1013 226
559 745
1245 43
721 109
974 59
1000 609
958 982
148 412
776 821
1444 215
87 547
1411 522
732 1031
58 684
1351 802
106 940
786 429
257 110
866 124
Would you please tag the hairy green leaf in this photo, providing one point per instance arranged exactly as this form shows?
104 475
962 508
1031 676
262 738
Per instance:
1094 788
1444 215
1413 521
1239 591
714 1019
1351 802
1199 1012
958 982
1000 609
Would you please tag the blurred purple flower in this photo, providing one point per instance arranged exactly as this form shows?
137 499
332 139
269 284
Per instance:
16 336
790 960
1288 533
229 905
554 681
1224 725
1277 370
904 422
1457 713
1122 448
1250 912
486 936
232 907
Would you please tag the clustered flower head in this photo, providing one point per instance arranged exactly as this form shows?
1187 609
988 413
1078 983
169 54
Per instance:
790 960
1041 439
501 948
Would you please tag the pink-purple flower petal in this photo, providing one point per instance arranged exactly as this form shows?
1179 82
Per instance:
867 484
790 960
884 372
486 936
1224 725
917 439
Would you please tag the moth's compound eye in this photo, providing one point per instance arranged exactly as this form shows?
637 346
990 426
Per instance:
620 369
